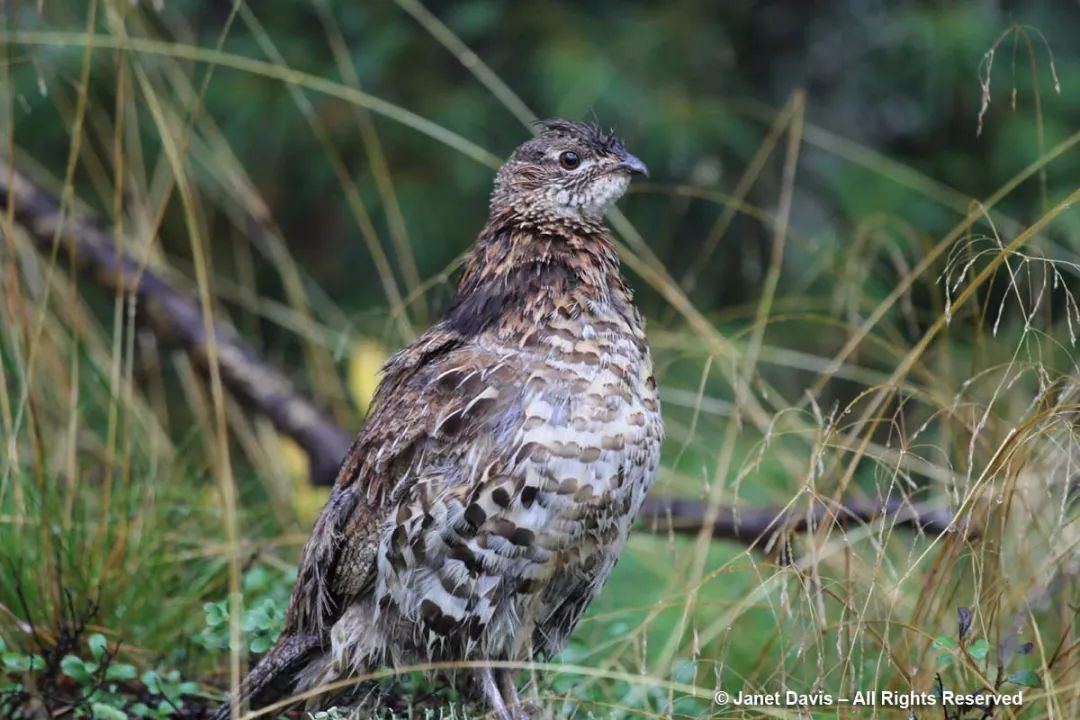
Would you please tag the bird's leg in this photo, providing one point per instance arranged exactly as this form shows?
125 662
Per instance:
505 678
494 697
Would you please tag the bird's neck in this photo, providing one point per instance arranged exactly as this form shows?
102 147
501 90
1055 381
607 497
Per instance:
523 271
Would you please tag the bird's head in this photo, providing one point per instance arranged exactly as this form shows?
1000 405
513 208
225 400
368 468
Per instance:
569 170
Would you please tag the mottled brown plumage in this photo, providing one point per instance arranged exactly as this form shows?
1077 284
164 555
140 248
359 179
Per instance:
491 491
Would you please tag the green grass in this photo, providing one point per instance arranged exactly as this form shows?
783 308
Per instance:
925 350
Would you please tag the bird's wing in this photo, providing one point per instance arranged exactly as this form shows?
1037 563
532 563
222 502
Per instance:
441 399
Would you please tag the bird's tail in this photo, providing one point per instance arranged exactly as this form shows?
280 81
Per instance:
274 677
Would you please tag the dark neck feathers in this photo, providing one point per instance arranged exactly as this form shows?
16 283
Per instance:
521 269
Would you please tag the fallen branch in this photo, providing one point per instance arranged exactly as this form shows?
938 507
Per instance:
177 317
264 389
762 527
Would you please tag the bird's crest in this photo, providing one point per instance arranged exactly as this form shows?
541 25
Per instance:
588 132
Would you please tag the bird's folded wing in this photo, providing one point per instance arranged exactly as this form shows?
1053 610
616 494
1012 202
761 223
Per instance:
441 402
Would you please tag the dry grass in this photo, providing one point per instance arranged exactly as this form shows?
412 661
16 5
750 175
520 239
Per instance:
119 476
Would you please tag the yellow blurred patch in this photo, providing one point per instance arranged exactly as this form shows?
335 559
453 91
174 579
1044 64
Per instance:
307 500
365 362
294 460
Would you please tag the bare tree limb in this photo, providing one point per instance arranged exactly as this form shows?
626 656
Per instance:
762 527
178 317
266 390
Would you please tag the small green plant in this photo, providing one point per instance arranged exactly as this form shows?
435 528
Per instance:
16 666
166 692
96 687
18 662
978 650
267 595
98 679
963 649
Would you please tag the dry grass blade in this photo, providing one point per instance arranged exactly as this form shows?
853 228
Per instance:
868 370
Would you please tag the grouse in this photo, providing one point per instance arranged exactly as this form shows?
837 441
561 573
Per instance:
507 451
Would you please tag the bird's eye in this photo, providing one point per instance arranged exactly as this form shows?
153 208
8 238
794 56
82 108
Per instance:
569 160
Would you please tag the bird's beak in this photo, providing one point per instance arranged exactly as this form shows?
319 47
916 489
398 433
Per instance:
632 165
